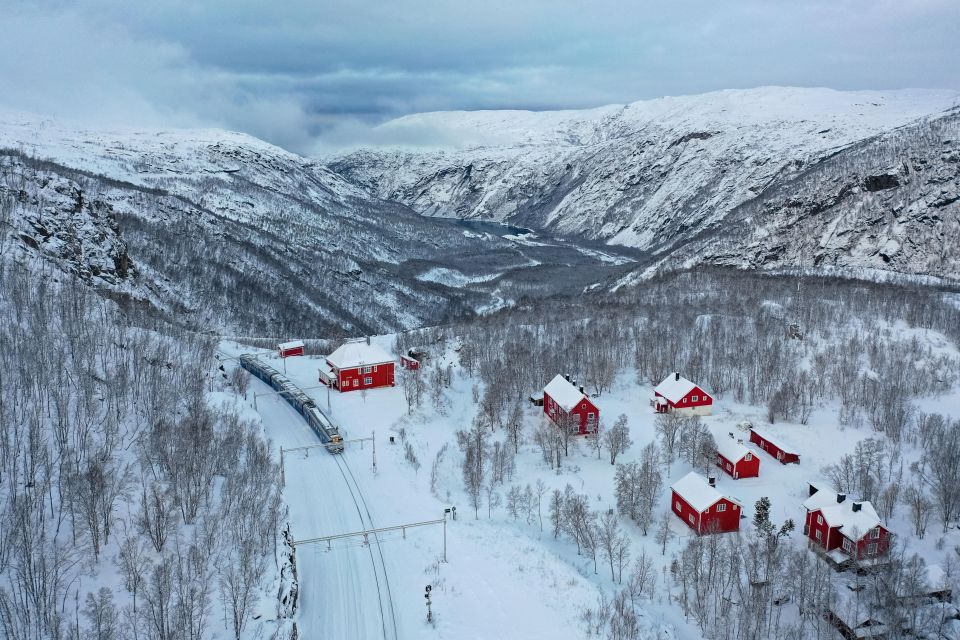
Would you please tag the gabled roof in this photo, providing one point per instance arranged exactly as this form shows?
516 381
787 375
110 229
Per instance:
563 393
697 492
841 514
357 353
731 449
777 442
293 344
674 387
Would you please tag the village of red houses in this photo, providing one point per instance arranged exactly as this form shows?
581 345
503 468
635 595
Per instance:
843 531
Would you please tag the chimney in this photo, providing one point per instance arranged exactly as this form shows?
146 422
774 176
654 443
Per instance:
567 377
676 376
841 497
730 433
581 390
739 440
574 382
813 489
712 480
856 506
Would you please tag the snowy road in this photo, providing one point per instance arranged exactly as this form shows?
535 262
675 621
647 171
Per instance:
345 590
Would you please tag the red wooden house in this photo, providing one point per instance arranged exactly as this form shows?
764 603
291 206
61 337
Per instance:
678 394
356 365
837 525
775 447
736 459
409 363
292 348
702 507
563 401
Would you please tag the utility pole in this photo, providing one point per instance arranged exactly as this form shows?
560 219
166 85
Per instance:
374 438
445 512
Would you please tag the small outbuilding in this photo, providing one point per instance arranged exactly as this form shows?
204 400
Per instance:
736 459
411 364
697 502
292 348
776 447
563 401
677 394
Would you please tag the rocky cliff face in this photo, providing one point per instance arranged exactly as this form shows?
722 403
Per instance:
666 176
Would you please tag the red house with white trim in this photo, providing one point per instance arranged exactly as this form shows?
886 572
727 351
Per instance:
292 348
838 525
357 365
563 401
702 507
736 459
677 394
775 447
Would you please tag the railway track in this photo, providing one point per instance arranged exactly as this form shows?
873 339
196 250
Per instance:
387 615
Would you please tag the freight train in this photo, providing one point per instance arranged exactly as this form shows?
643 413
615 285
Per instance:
322 425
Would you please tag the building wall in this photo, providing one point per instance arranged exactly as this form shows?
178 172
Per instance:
355 379
883 544
712 520
784 457
296 351
703 406
744 468
829 538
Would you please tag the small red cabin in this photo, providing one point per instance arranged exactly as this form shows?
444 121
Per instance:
677 394
776 448
409 363
853 528
704 509
292 348
736 459
563 401
357 365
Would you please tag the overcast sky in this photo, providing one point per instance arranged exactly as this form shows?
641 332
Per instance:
296 72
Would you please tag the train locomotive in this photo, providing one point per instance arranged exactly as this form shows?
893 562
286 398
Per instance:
322 425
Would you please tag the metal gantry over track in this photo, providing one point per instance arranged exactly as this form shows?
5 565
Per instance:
365 534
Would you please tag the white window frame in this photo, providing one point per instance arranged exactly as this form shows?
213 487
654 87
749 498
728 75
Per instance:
368 381
678 506
692 519
847 545
875 534
695 399
872 549
818 535
367 369
819 518
721 507
374 368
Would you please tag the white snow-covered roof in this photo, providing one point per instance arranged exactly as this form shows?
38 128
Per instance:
731 449
778 442
563 393
293 344
698 493
841 514
674 387
357 353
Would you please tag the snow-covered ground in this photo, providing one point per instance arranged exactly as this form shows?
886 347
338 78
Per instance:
507 578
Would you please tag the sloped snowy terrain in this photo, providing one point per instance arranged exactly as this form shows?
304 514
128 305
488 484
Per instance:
655 174
221 230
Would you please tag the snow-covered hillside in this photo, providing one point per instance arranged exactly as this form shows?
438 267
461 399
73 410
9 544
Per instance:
222 230
651 174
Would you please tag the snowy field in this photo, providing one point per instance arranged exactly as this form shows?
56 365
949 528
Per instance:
505 577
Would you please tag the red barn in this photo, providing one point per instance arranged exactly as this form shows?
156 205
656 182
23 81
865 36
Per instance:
702 507
775 447
736 459
848 527
356 365
563 401
292 348
678 394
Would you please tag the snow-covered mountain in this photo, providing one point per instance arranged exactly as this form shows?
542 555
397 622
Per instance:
219 229
662 174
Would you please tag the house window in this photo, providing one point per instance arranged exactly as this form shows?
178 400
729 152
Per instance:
374 368
691 519
590 417
368 381
819 519
748 457
721 507
695 398
876 533
872 549
819 534
678 507
367 369
847 545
